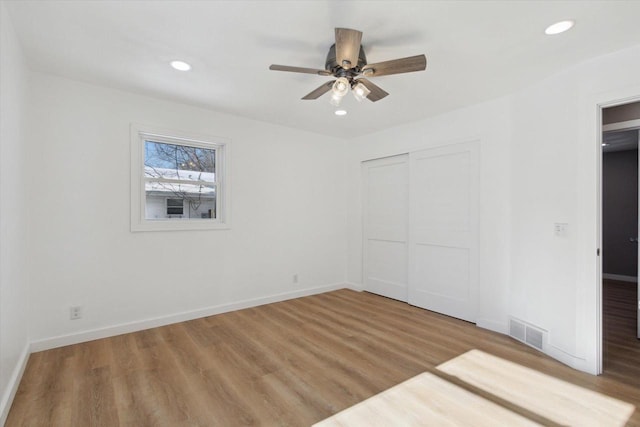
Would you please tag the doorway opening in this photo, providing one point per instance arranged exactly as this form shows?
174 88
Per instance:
619 227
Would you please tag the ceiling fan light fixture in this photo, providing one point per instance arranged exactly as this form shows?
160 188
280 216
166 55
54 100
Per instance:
341 87
335 99
360 91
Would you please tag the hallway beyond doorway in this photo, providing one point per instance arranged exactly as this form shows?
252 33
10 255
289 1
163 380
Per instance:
621 347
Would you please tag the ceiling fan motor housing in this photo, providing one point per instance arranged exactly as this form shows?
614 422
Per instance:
338 71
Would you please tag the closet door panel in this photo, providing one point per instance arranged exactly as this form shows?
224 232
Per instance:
443 236
385 209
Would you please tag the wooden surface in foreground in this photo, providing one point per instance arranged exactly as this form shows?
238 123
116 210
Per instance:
291 363
426 400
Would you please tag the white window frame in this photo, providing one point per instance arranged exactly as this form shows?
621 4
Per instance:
140 134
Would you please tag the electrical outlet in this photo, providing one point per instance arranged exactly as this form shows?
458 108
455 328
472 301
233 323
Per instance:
295 278
75 312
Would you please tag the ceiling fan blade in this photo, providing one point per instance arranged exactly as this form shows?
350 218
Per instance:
347 47
396 66
376 92
317 93
299 70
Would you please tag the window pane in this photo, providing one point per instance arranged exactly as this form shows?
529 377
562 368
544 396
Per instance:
179 201
175 206
172 161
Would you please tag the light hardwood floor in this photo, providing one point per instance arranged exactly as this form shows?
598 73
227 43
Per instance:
291 363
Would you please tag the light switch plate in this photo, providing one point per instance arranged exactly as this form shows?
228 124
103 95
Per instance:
560 229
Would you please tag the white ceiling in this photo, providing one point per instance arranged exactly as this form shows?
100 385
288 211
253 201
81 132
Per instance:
476 50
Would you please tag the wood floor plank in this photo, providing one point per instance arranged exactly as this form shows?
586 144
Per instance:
95 391
292 363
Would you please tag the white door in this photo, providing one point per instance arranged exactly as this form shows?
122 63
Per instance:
443 243
386 214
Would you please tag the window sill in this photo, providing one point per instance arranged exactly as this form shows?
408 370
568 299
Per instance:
173 225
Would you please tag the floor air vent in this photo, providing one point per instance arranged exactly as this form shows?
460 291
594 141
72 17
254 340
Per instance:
526 333
533 337
516 329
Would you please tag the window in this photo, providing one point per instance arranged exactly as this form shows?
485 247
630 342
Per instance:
181 178
175 207
178 181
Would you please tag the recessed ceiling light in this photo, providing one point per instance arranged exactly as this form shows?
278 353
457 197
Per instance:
180 65
340 113
559 27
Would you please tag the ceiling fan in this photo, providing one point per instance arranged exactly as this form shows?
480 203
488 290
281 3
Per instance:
347 62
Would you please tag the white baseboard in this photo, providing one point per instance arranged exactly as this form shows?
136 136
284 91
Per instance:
125 328
10 392
354 286
493 325
569 359
620 277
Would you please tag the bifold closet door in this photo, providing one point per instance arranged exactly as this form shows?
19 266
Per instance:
386 215
443 237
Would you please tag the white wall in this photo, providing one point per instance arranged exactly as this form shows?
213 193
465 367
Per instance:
13 213
488 123
555 156
287 203
539 159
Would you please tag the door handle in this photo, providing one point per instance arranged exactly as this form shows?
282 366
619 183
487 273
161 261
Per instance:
633 239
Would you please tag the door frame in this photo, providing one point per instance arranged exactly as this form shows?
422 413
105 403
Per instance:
607 101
